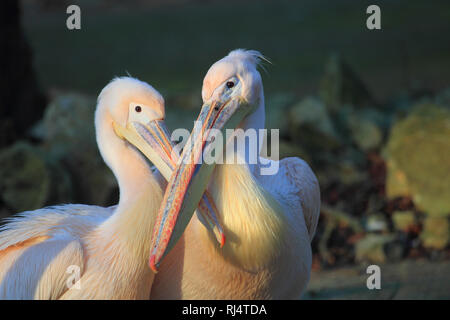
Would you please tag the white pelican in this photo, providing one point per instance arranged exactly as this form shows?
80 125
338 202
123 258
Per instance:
269 220
43 251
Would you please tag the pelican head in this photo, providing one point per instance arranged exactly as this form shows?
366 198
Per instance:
233 98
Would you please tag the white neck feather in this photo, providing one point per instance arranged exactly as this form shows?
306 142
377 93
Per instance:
129 229
255 121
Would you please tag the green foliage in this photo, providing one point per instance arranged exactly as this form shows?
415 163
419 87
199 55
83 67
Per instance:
24 178
418 154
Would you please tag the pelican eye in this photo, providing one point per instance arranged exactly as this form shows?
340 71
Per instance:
138 108
230 84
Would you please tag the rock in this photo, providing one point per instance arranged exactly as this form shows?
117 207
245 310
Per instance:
376 223
366 134
372 248
340 86
93 182
310 126
396 250
351 155
396 181
61 188
417 154
68 132
404 221
338 172
382 119
362 127
375 205
379 248
69 118
436 233
24 178
347 173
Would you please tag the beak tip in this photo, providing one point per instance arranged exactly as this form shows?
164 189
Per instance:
152 264
222 240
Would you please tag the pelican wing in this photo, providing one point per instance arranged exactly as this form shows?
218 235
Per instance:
40 269
48 221
296 186
41 255
306 188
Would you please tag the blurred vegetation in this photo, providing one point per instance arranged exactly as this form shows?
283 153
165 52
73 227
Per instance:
172 46
368 110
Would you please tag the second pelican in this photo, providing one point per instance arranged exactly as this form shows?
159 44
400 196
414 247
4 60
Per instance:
269 220
90 252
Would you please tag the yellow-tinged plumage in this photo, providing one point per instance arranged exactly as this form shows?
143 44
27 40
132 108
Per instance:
250 212
269 220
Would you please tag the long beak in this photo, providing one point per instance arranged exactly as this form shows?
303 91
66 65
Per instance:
191 177
153 141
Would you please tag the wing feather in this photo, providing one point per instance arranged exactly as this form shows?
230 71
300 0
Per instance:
295 185
40 250
307 188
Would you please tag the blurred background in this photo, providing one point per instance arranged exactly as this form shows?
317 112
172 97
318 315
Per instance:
368 110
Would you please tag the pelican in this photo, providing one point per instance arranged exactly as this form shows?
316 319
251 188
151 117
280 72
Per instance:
90 252
269 220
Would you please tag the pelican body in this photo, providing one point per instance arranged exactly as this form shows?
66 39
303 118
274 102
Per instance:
90 252
269 220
